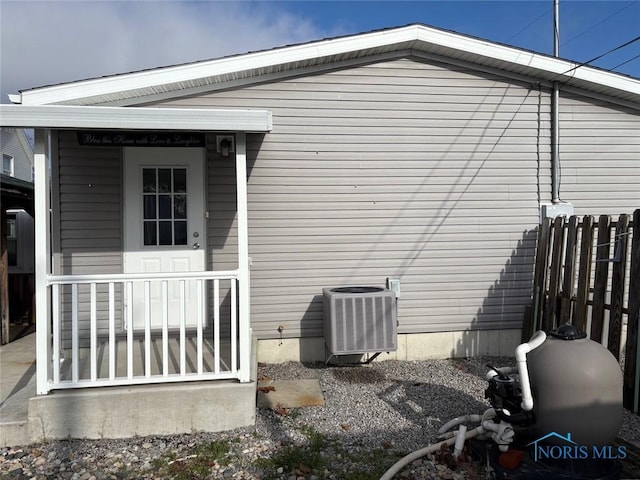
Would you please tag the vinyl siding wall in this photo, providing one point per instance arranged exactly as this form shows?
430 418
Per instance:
90 224
14 143
404 169
600 156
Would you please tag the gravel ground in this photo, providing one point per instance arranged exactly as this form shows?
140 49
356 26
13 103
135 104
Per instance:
373 416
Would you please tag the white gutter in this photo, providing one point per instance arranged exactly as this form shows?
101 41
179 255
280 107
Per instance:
129 118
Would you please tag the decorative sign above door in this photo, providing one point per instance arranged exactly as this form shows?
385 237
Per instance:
101 138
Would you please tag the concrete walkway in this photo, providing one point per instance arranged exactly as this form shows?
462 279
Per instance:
17 385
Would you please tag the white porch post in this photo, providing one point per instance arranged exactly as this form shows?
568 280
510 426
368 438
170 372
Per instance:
42 203
243 258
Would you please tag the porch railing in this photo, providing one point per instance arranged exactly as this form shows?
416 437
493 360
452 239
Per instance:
95 341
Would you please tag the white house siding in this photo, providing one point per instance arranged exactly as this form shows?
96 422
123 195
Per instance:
403 168
600 156
89 239
600 159
14 143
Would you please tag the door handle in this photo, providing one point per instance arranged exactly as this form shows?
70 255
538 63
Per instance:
196 246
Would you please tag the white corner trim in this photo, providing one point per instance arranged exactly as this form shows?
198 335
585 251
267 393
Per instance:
62 116
423 37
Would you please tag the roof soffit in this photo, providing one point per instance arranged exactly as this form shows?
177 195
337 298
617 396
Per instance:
141 87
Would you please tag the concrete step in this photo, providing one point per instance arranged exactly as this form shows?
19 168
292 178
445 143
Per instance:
115 412
14 410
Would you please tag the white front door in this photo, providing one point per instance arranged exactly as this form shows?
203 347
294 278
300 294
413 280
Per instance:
164 229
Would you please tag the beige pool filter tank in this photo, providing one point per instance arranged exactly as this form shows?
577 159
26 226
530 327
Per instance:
576 385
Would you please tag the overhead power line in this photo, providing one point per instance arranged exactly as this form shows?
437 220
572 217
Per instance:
626 44
528 25
598 24
625 62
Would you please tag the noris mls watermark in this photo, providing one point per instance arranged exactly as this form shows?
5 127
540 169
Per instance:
570 450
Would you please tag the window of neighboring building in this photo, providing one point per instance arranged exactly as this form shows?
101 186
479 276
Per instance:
7 165
12 241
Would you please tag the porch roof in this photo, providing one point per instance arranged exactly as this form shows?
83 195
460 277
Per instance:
127 118
136 87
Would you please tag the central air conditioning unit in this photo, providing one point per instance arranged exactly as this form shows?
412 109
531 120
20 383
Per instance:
360 320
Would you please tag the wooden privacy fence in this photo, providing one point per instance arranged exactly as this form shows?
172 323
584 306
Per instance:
588 274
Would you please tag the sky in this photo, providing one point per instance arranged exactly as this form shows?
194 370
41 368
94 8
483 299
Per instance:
44 43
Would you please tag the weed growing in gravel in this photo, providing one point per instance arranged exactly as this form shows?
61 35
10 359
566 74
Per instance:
194 464
299 459
319 453
123 474
378 461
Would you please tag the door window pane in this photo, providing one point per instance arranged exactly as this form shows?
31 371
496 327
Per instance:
150 237
164 206
179 180
149 180
180 206
180 233
165 236
150 207
164 180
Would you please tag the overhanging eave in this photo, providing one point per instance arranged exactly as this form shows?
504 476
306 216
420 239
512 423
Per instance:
127 118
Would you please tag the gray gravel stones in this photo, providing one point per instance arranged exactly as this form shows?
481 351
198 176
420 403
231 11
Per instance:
373 415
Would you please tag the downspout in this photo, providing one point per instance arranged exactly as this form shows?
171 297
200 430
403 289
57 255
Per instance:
555 114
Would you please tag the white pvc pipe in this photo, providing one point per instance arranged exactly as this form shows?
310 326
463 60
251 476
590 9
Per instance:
503 370
537 339
460 438
457 421
404 461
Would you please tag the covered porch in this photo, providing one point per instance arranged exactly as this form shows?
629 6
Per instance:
156 325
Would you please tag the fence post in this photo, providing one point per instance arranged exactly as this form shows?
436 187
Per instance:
601 276
550 320
631 386
532 323
584 274
568 279
617 284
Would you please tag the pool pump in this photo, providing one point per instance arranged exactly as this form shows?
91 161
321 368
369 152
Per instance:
563 383
554 415
564 402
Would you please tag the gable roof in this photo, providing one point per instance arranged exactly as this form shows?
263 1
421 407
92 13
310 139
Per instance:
416 39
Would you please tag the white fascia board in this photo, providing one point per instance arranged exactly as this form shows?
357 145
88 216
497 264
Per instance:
421 34
184 73
127 118
554 66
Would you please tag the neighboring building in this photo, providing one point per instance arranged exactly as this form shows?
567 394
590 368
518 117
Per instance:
16 186
17 154
413 154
